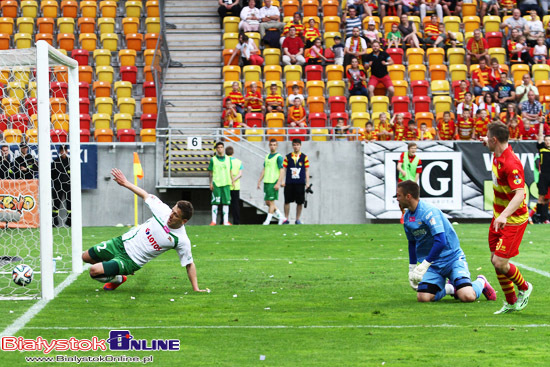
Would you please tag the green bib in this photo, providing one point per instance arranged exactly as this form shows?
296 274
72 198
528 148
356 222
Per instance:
271 174
221 173
409 168
235 168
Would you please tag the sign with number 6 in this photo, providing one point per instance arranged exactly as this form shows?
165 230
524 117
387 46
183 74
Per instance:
194 142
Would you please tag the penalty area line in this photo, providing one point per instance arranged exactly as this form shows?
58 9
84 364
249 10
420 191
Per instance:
38 306
534 270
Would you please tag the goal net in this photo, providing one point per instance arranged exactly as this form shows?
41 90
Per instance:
40 200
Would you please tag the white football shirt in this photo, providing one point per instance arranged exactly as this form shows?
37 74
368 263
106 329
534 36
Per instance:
150 239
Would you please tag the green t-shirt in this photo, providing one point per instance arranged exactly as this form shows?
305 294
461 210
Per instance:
393 35
272 164
220 168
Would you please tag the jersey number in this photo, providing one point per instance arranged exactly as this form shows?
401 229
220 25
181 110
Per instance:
103 246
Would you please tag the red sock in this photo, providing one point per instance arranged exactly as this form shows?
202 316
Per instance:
507 287
515 276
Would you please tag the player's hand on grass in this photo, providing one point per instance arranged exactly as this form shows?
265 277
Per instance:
419 271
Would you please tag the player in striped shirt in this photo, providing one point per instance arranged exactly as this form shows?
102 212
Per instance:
510 217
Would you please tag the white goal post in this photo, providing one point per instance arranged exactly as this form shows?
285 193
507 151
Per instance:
43 59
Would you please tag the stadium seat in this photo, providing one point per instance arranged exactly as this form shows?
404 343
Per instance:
148 72
65 25
126 57
85 121
299 133
442 103
25 25
152 25
330 8
452 24
254 119
499 53
29 9
128 105
4 122
231 24
415 56
22 40
254 134
277 134
123 121
108 9
438 72
85 135
148 135
336 88
130 25
359 119
32 136
231 73
31 105
334 72
149 121
6 25
417 72
233 134
87 41
367 19
13 136
85 73
105 73
337 103
420 87
331 23
102 57
4 41
274 119
151 40
81 56
260 85
424 117
103 135
315 88
494 39
519 70
401 87
10 106
318 134
59 89
16 90
58 105
45 25
491 23
230 40
317 119
400 104
272 72
358 104
101 121
134 41
101 89
109 41
69 9
544 89
49 9
421 104
379 103
540 72
458 72
314 72
471 23
456 55
152 57
149 89
272 56
436 56
387 23
397 72
328 38
106 25
316 104
58 136
293 72
310 8
440 87
123 89
60 121
20 122
252 73
396 54
133 8
126 135
65 41
290 7
333 118
148 105
21 74
84 104
88 9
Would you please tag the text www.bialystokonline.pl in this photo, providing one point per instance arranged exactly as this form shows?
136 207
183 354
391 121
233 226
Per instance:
90 359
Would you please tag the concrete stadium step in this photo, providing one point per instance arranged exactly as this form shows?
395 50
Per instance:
195 41
204 23
179 8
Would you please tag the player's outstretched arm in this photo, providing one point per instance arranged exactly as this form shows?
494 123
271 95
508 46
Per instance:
120 179
192 274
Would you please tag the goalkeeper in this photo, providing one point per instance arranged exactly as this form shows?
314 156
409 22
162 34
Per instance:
114 259
434 243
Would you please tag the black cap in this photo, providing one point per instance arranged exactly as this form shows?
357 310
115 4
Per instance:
23 145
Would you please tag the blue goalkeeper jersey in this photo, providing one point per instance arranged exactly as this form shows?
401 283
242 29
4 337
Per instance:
422 225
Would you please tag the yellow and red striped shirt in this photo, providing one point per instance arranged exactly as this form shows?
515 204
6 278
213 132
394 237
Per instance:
508 177
446 130
254 104
274 99
431 28
299 29
399 132
367 135
481 126
465 128
381 128
411 134
311 33
514 132
296 113
237 98
482 76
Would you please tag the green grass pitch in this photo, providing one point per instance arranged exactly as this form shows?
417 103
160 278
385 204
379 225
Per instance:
332 295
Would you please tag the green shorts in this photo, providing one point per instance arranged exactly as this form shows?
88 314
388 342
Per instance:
270 192
114 257
221 195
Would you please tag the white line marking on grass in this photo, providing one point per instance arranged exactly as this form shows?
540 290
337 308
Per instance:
283 327
38 306
534 270
305 259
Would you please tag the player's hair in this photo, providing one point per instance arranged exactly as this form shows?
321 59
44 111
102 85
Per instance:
229 150
410 187
186 209
272 140
410 145
499 131
218 144
369 123
296 141
411 122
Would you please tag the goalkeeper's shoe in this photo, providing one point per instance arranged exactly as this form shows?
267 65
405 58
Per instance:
506 308
523 297
113 286
488 291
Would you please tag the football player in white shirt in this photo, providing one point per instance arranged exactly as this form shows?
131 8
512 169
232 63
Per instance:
114 259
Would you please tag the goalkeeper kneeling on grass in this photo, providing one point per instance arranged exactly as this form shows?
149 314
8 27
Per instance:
433 242
114 259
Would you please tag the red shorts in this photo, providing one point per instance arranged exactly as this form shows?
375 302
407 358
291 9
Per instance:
505 243
385 80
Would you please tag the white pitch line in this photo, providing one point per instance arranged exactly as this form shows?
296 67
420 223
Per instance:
534 270
283 327
38 306
306 259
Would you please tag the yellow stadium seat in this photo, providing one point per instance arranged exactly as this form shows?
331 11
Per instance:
272 56
415 56
540 72
417 72
22 40
458 72
315 88
336 88
128 105
328 37
123 89
231 73
152 25
101 121
252 73
25 25
230 40
32 89
102 57
123 121
319 134
88 9
16 90
334 72
401 87
519 70
49 9
442 103
436 56
133 8
367 19
105 73
104 105
231 24
469 9
440 87
21 74
416 21
438 72
272 72
467 36
69 9
358 104
491 23
6 25
88 41
293 72
388 21
254 134
380 103
452 24
106 25
109 41
397 72
359 119
274 119
331 24
148 135
32 136
13 136
60 121
108 9
471 23
65 25
456 55
29 9
499 53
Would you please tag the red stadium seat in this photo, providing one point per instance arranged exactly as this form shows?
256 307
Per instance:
494 39
254 119
31 105
297 134
126 135
4 121
149 89
83 89
20 122
421 104
59 89
149 121
336 115
400 104
420 87
314 72
128 74
58 136
84 105
85 121
337 104
81 56
396 54
84 135
317 119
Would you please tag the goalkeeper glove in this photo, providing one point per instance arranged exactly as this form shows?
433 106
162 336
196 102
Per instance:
419 271
411 283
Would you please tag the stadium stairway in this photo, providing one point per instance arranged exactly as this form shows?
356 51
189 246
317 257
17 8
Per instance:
194 90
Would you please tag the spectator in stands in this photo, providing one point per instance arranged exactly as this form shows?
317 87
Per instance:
511 113
230 117
531 109
25 165
445 38
524 51
270 17
504 91
341 130
358 6
410 7
6 164
357 79
465 126
431 32
368 133
445 127
533 29
424 133
495 73
527 5
540 51
489 106
528 131
350 20
408 30
480 77
316 56
514 22
248 51
355 47
339 50
524 88
370 6
480 128
250 18
293 49
477 49
487 7
296 22
391 8
467 104
237 98
513 129
228 7
311 33
394 37
431 5
371 33
253 101
507 6
274 102
452 7
384 131
295 95
412 131
399 129
462 90
258 4
297 114
378 62
514 53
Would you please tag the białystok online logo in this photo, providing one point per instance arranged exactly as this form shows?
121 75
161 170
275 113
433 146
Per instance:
119 340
